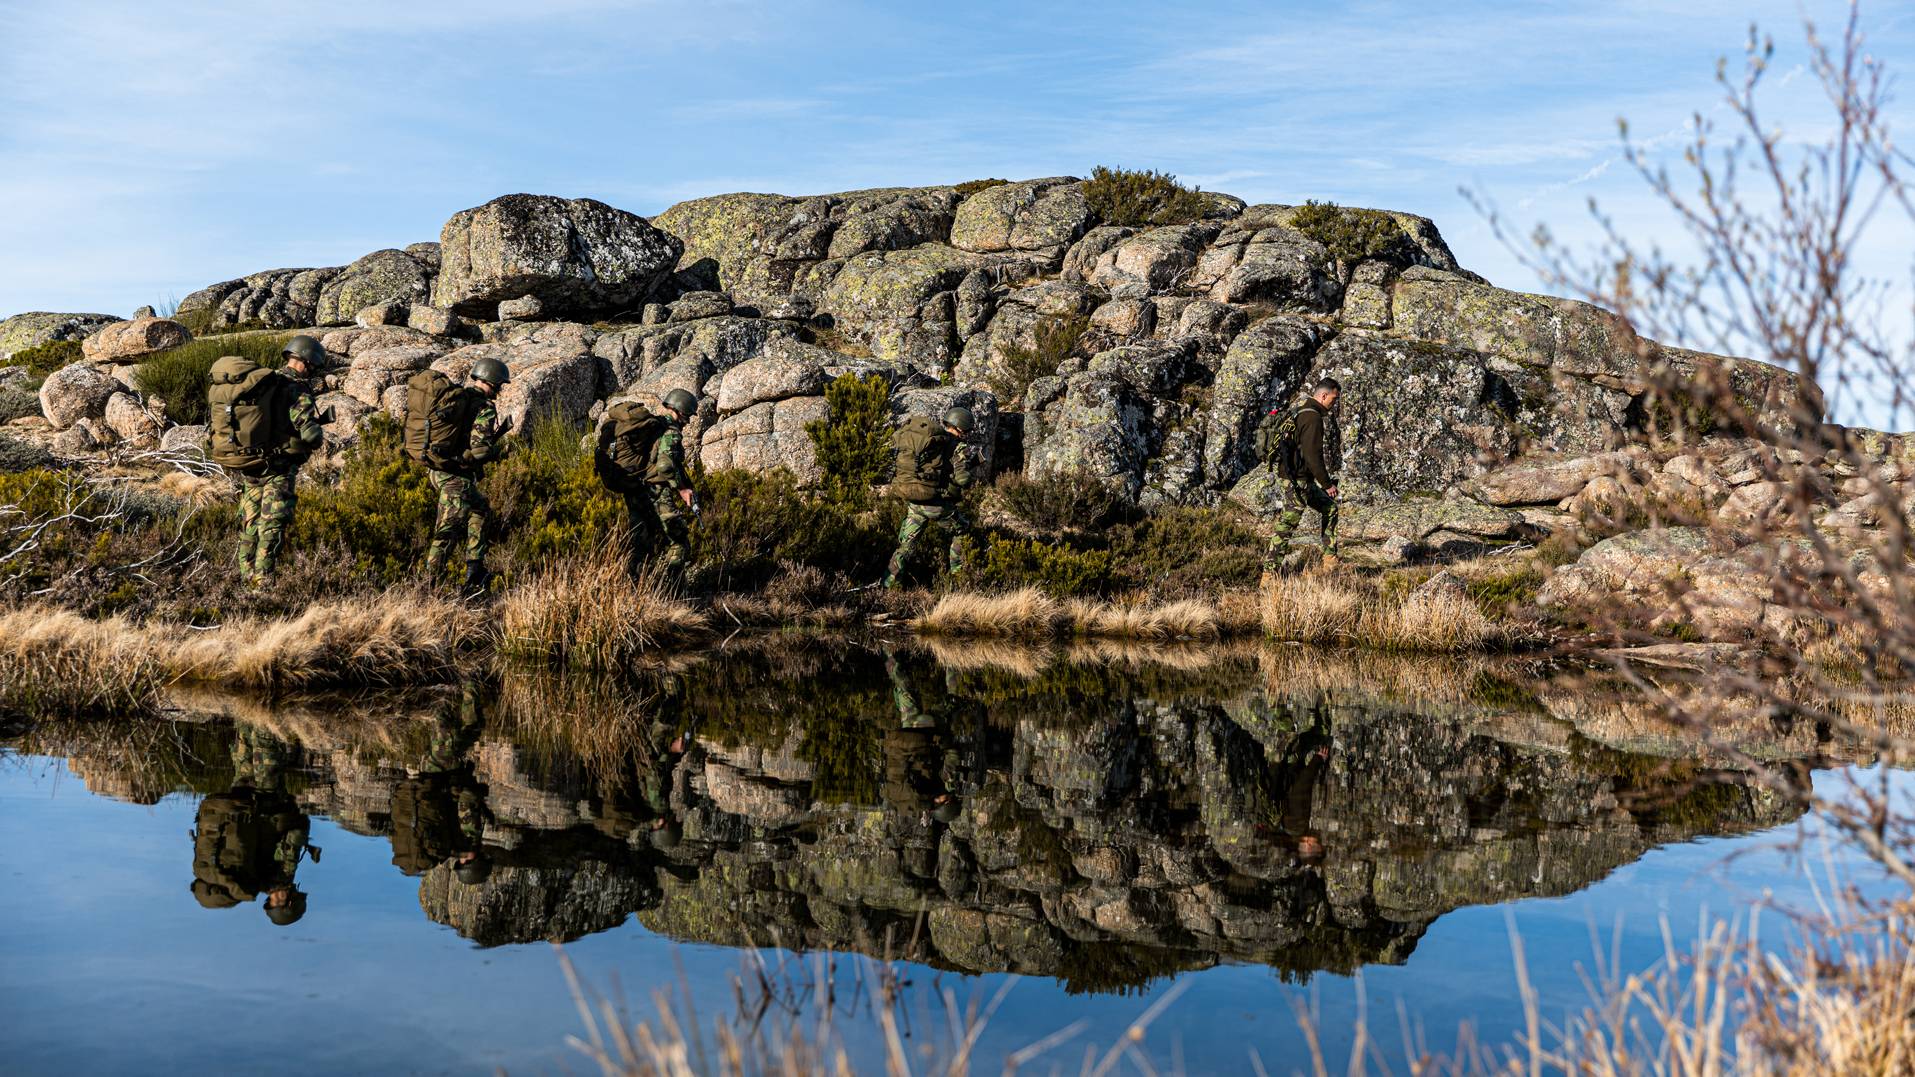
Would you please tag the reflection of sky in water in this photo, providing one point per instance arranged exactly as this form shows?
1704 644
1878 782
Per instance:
111 966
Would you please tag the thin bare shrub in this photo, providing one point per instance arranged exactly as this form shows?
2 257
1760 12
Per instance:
584 611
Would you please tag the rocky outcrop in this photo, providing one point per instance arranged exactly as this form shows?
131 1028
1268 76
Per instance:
382 277
132 341
34 328
73 393
273 299
577 256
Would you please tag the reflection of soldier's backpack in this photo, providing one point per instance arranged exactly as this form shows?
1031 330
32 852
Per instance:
624 459
423 830
922 471
1277 443
226 838
439 414
248 421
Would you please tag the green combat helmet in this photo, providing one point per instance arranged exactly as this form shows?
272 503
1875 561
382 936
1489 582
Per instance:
682 402
474 871
306 350
288 912
491 371
959 419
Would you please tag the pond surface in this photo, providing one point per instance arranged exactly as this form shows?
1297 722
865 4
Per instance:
372 887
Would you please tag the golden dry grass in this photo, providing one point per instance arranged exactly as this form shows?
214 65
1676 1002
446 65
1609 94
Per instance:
1355 611
1031 614
585 612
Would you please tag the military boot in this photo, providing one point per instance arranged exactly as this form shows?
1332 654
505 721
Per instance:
476 579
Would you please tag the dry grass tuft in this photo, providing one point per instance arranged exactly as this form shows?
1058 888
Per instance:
1355 611
199 491
400 637
56 663
586 612
1031 614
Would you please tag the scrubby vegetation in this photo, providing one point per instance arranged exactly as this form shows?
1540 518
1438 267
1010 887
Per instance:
1142 198
17 455
971 187
548 496
43 359
1055 502
19 398
1055 338
853 440
754 523
1354 235
201 323
377 518
179 376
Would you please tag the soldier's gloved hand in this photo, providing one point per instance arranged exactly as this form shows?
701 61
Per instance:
504 426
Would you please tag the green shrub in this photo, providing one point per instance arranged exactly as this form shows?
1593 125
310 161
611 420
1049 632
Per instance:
180 375
752 522
1505 590
1142 198
1057 335
548 496
1186 550
44 359
17 455
853 440
1353 235
1058 501
1060 570
380 512
971 187
17 401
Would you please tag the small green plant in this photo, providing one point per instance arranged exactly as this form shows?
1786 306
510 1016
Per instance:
754 522
180 375
1354 235
1505 590
1055 337
43 359
971 187
1059 570
1142 198
1053 502
1186 550
853 440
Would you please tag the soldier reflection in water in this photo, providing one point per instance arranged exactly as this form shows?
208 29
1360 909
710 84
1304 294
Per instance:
439 812
1298 770
249 841
914 754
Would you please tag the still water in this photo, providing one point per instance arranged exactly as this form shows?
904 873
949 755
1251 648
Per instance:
373 885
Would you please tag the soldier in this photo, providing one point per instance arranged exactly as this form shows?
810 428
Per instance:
641 457
439 813
249 841
1305 449
933 468
464 514
264 426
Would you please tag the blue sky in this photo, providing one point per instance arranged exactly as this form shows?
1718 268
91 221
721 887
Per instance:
149 149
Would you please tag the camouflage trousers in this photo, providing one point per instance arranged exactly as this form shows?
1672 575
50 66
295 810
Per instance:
266 505
660 526
917 520
464 516
1302 494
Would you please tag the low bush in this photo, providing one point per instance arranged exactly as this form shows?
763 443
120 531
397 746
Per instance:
548 496
1053 502
180 375
1059 570
752 523
583 611
378 516
43 359
853 440
1353 235
971 187
1056 337
17 456
1142 198
1186 550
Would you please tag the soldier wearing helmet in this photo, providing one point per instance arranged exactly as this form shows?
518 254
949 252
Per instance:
464 515
268 487
641 457
934 466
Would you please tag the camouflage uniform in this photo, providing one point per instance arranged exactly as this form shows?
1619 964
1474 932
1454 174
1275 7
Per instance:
656 513
441 812
941 511
464 514
1320 449
267 500
249 840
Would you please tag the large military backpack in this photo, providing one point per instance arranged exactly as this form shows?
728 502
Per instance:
248 421
922 471
423 830
226 837
626 441
1277 443
439 415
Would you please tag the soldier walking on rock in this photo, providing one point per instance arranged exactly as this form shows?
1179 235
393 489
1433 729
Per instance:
1305 449
471 413
263 425
641 457
934 467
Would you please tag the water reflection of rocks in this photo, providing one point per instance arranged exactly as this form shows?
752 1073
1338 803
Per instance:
1101 821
